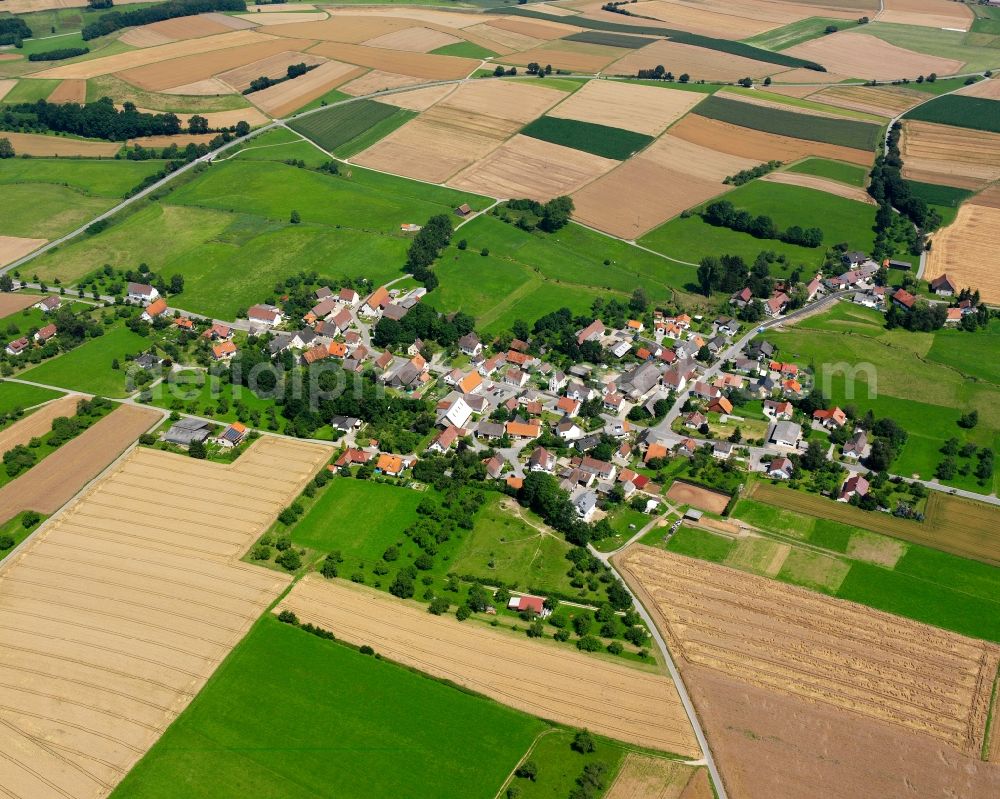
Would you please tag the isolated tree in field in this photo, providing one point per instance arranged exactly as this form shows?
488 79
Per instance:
295 218
498 72
242 128
684 78
969 420
6 148
528 770
639 301
583 742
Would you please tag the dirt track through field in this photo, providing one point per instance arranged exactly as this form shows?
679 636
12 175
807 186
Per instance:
537 677
122 607
38 423
826 650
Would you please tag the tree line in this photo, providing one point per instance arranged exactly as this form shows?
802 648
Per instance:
100 120
426 247
722 213
58 55
116 20
293 71
746 175
13 30
660 73
552 215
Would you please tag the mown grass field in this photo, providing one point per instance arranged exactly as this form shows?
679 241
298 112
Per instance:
464 50
977 113
29 90
280 144
794 33
934 194
840 219
586 136
18 395
337 126
848 562
289 716
978 53
88 367
851 174
845 132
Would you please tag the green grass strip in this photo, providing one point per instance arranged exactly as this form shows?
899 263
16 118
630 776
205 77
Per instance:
844 132
587 136
935 194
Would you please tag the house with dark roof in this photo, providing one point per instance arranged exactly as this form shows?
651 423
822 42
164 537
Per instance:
541 460
856 484
943 286
49 303
141 292
186 431
591 332
470 345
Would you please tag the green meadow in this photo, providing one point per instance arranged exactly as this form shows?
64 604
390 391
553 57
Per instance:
18 395
851 174
289 715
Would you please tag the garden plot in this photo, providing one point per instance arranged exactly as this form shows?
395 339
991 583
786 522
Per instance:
275 66
290 95
643 109
960 157
887 101
759 145
413 40
928 13
464 127
118 611
966 250
552 682
791 640
528 167
202 66
869 58
14 247
699 63
419 65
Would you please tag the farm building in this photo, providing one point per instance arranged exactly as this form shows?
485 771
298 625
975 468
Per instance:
526 602
186 431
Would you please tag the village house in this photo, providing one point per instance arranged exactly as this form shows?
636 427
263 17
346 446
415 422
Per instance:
569 407
218 332
375 303
186 431
444 440
494 467
578 391
695 420
721 405
568 430
389 464
585 504
17 346
541 460
323 309
348 297
529 604
48 304
784 434
141 292
903 299
351 456
778 409
345 424
470 345
453 411
655 451
591 332
183 323
639 381
742 298
855 484
704 391
232 436
831 419
489 430
780 468
43 334
723 450
943 286
522 429
516 378
266 315
776 305
223 351
155 309
857 446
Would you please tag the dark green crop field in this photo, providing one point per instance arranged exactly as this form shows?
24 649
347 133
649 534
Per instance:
962 112
610 39
340 124
845 132
597 139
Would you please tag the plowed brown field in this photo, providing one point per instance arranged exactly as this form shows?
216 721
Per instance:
929 13
121 608
14 301
350 29
867 57
510 41
644 109
732 25
561 54
644 777
967 250
528 167
760 146
38 423
37 144
946 154
291 95
416 100
988 89
376 80
69 91
539 678
413 40
537 28
687 494
700 63
275 66
420 65
788 639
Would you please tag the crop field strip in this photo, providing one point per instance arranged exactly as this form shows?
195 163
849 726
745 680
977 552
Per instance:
338 125
547 681
976 113
945 154
115 615
610 39
830 651
844 132
589 137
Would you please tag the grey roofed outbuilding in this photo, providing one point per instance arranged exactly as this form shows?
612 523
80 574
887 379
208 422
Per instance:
184 431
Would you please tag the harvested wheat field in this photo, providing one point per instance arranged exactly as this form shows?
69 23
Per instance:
644 109
826 650
694 160
687 494
645 777
223 119
38 423
14 247
703 21
413 40
967 250
532 168
700 63
14 301
6 84
154 55
987 89
279 18
144 36
200 88
750 99
887 101
419 65
188 27
118 611
409 15
69 91
758 145
291 95
180 139
537 28
867 57
416 100
202 66
946 154
574 56
376 80
467 125
512 42
275 66
39 144
820 184
929 13
347 29
539 678
990 197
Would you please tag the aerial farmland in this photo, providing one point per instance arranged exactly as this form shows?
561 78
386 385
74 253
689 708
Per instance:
551 399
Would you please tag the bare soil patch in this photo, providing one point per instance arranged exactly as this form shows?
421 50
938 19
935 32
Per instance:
348 29
151 55
820 184
200 88
274 66
534 676
69 91
413 40
376 80
644 109
694 160
886 101
38 423
122 607
793 641
698 62
188 27
966 250
39 144
699 787
14 301
290 95
14 247
420 65
416 100
758 145
987 89
929 13
144 36
528 167
867 57
950 155
682 493
645 777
